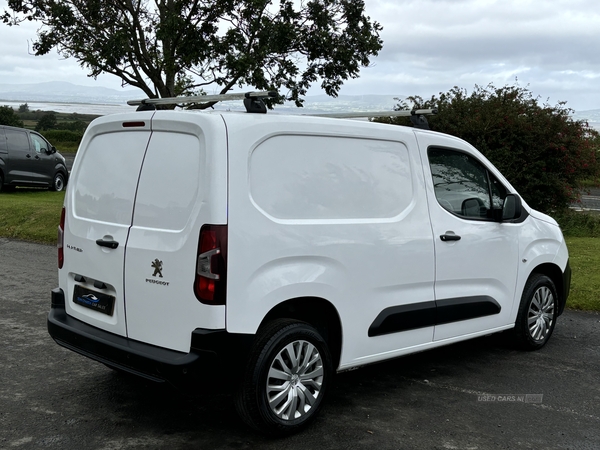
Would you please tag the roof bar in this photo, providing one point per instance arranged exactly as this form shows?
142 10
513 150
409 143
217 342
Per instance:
202 98
352 115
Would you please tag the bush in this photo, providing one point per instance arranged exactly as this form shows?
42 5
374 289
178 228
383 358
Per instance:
46 122
63 136
540 149
9 117
578 224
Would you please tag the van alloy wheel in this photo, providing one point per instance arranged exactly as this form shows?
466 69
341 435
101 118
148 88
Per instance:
295 380
287 376
537 313
541 313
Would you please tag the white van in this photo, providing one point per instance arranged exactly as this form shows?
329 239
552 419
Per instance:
281 249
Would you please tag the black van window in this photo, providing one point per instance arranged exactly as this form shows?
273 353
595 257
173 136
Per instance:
463 185
17 140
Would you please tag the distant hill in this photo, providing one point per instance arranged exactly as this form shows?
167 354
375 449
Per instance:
63 92
59 91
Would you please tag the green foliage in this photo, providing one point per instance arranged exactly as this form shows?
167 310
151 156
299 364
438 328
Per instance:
47 122
541 150
578 224
8 116
24 108
157 46
63 136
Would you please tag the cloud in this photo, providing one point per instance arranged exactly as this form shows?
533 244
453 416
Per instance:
429 47
433 45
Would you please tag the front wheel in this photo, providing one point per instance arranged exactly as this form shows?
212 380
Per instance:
288 373
537 313
58 184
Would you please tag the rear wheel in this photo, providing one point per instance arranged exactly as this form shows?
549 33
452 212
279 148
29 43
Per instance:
537 313
289 372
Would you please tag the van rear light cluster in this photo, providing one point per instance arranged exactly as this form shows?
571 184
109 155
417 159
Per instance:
61 239
211 267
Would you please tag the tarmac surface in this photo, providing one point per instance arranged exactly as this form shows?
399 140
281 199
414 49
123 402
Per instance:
480 394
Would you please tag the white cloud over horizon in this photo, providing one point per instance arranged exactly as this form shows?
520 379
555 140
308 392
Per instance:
429 47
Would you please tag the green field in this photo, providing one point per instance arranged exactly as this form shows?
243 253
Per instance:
33 215
584 255
30 214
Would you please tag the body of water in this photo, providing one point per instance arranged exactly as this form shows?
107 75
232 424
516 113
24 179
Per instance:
79 108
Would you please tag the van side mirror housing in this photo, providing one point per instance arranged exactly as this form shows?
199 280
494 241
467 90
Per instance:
51 150
512 207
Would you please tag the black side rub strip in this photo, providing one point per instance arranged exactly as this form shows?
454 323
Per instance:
465 308
403 318
427 314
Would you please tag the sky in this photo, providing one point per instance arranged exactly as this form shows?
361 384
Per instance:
552 47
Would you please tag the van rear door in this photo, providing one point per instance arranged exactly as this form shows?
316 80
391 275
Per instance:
182 186
99 210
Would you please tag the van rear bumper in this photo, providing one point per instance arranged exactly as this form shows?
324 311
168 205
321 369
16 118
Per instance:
214 354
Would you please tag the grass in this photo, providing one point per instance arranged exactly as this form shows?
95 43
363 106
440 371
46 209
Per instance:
584 255
30 214
33 215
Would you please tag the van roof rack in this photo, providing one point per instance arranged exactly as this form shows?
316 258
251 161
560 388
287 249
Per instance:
417 116
253 101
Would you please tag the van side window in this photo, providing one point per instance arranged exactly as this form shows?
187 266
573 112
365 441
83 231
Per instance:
463 185
17 140
38 143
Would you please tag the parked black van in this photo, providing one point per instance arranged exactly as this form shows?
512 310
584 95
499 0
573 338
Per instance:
28 159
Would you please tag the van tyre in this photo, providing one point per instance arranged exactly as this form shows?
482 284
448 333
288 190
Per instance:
58 184
288 374
537 313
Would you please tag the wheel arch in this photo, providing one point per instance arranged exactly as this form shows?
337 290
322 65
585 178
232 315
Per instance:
317 312
554 272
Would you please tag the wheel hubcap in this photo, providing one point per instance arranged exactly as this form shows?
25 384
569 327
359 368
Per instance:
295 380
541 314
58 183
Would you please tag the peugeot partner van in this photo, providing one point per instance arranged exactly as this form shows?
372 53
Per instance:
277 250
28 159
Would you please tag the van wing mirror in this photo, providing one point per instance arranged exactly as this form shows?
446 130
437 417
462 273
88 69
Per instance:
512 207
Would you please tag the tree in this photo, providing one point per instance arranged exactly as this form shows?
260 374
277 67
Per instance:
201 44
8 116
47 122
24 108
540 149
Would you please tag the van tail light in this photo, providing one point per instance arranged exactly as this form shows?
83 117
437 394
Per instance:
61 239
211 266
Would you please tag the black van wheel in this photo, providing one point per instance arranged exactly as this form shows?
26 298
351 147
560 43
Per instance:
537 313
58 184
1 182
288 373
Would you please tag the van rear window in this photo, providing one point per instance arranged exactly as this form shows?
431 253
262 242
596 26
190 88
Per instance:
107 176
296 177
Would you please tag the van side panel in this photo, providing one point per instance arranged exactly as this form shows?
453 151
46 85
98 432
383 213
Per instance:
332 209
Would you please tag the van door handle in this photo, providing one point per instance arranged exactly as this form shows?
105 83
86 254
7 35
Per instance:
449 237
109 244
